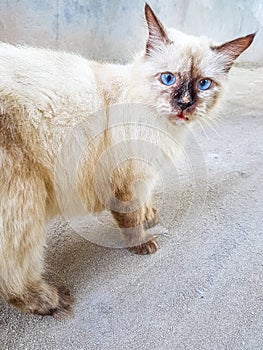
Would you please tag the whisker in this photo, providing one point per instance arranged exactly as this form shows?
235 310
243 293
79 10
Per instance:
210 126
213 120
199 122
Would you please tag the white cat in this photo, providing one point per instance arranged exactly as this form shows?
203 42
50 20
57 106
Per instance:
45 96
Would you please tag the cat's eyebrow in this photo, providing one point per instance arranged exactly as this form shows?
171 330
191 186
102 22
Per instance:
165 71
192 67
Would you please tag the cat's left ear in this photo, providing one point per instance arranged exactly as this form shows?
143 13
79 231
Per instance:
157 34
232 49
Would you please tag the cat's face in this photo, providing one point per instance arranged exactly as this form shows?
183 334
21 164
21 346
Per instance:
183 75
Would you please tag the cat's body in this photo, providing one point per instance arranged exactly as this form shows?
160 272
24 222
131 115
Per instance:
45 94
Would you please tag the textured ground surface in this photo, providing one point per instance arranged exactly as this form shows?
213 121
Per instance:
202 290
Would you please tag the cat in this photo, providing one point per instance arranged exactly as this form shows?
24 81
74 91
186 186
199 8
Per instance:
43 95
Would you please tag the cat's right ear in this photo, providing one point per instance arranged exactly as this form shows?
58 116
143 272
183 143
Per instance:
157 35
232 49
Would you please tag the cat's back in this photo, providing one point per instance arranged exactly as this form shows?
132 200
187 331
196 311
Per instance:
42 94
33 73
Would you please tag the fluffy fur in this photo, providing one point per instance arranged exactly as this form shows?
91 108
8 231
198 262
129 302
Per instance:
47 95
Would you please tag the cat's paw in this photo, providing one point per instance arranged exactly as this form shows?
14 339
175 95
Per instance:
65 302
151 218
149 247
45 300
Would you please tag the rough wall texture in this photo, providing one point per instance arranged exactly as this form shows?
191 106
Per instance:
115 29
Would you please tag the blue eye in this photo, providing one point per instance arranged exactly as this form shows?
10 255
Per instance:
168 78
204 84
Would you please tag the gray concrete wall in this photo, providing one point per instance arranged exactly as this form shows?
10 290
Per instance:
115 29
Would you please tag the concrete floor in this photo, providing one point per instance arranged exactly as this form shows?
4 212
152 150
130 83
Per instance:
202 291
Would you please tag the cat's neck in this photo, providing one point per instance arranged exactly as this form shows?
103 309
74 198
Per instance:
113 82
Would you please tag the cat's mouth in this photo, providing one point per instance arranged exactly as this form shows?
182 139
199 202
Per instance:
182 116
179 118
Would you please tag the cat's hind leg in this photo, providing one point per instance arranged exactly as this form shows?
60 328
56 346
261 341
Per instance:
22 241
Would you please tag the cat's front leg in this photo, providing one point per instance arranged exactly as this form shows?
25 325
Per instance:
151 217
133 224
149 247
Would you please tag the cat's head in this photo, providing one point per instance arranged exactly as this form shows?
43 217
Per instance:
182 76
